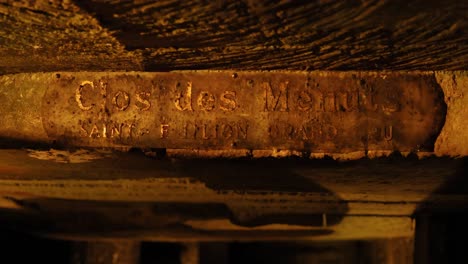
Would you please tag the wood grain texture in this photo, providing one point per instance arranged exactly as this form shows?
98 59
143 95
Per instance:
314 112
115 252
391 251
260 35
168 200
128 195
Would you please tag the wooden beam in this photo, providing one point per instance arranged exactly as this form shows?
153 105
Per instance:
109 252
346 115
390 251
250 35
273 199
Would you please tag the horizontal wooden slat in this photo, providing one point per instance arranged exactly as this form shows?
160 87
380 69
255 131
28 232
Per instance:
309 114
153 198
253 35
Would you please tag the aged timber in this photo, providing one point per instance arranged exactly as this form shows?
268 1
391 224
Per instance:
304 111
118 194
95 35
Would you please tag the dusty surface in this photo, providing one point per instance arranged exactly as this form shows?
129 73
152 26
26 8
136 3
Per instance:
346 115
65 35
131 195
46 35
256 35
302 111
454 136
81 194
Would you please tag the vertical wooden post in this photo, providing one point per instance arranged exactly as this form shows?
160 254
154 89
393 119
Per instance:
388 251
109 252
190 253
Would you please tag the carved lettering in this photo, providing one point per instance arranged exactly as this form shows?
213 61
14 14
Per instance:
343 102
104 131
79 95
164 130
83 131
366 101
228 131
94 132
183 100
303 132
228 101
116 130
185 131
346 112
107 130
206 101
381 133
346 102
143 100
215 131
276 100
310 100
306 132
242 131
313 100
204 132
130 130
390 106
388 133
121 100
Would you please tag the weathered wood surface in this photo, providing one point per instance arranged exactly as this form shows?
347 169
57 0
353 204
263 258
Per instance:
240 112
259 35
109 252
130 195
342 114
112 195
391 251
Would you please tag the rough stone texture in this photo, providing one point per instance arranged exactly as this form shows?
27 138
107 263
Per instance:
454 135
50 35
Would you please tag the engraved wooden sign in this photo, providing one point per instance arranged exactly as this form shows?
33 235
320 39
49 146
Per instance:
305 111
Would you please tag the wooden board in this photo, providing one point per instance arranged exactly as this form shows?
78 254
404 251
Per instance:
132 195
307 112
255 35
